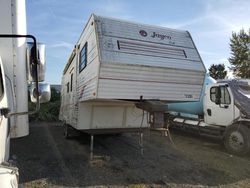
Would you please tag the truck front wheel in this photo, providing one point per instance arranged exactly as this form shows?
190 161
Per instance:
237 139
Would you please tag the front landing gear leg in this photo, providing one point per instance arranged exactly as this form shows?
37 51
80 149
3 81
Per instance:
91 147
141 142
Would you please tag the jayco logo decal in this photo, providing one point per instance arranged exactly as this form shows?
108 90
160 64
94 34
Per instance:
155 35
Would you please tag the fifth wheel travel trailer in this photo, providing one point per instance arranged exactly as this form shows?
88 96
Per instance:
117 65
21 64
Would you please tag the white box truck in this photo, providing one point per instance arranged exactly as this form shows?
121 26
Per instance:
222 112
116 64
19 67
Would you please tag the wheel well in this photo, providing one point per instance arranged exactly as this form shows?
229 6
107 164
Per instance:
245 123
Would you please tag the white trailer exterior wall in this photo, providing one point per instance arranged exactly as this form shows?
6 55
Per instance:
155 62
124 61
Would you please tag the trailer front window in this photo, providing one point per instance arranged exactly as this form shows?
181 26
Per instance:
83 57
148 49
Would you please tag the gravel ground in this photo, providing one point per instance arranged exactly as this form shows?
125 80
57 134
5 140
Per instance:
46 159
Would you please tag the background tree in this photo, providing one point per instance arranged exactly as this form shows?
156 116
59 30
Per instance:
55 96
240 54
217 71
49 111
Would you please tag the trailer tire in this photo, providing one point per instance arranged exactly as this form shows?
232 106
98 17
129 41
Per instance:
237 139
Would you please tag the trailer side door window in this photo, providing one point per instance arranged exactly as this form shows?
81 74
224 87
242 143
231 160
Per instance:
83 58
225 96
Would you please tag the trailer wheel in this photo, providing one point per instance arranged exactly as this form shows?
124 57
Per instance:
237 139
66 130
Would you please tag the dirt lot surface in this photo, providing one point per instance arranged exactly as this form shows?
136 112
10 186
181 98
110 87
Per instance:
46 159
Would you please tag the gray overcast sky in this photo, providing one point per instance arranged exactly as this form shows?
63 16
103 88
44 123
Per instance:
58 23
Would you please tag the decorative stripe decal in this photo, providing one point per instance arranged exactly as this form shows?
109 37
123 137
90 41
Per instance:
151 81
150 49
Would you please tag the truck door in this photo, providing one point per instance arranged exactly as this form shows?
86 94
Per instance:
218 106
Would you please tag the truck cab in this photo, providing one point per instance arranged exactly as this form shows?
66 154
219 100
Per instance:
226 114
219 108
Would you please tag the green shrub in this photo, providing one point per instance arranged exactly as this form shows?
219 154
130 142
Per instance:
48 111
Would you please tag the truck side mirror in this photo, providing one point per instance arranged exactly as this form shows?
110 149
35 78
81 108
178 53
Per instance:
30 62
43 90
217 95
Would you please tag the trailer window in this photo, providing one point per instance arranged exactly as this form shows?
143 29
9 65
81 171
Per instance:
71 82
225 96
67 85
83 57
